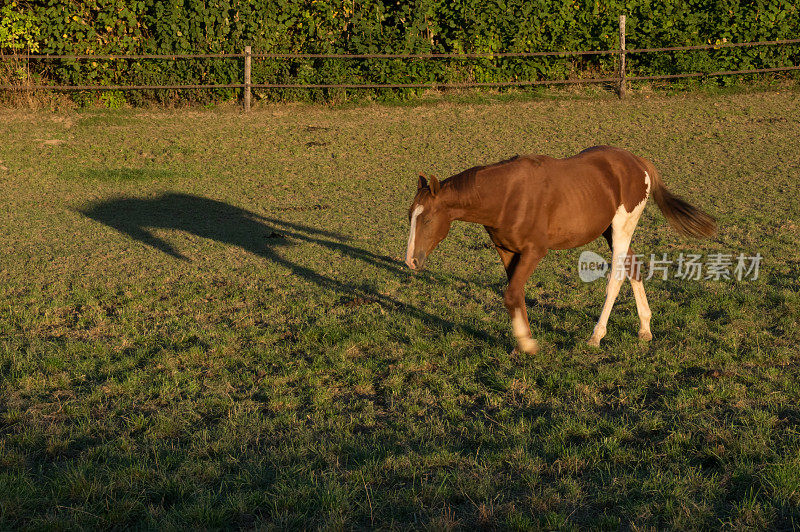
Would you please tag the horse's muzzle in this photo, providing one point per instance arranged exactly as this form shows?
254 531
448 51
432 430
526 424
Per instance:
415 263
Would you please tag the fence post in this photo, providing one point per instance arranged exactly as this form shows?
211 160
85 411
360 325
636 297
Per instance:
247 60
622 84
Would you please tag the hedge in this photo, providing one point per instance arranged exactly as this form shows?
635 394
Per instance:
387 26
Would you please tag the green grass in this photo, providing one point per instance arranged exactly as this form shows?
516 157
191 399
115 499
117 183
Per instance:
205 322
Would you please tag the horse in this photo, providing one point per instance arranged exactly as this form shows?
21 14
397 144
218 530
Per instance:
532 204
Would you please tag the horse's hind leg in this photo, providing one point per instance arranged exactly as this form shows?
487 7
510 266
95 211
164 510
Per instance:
615 280
634 272
621 232
642 308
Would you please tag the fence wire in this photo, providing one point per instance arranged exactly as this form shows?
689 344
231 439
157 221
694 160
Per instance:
432 85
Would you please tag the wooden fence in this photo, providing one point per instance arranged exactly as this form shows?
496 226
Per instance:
620 81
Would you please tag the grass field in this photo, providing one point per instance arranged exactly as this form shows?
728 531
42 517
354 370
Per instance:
205 321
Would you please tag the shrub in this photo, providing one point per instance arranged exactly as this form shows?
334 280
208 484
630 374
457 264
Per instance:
379 26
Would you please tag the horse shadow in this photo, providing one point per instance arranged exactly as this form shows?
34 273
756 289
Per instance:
260 235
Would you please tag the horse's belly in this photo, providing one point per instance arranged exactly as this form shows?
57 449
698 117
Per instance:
577 230
580 210
575 240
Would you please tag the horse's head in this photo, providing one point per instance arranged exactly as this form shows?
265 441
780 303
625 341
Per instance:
429 222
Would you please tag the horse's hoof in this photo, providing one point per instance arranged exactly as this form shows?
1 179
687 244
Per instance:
528 346
597 334
645 335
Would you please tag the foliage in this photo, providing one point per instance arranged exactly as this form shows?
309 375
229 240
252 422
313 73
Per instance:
19 29
419 26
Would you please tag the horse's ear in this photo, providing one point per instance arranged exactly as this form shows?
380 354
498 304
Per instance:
422 183
435 186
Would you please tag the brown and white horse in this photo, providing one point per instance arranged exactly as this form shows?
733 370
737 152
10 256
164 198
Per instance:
532 204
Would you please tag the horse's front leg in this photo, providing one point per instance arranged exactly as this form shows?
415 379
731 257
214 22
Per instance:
519 267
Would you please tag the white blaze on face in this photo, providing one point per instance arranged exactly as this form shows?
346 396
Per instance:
412 233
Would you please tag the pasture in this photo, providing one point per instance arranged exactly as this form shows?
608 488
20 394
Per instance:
205 321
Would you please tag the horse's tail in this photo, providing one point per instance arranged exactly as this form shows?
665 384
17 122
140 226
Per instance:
684 218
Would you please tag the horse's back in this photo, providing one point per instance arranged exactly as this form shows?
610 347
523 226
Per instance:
572 200
622 171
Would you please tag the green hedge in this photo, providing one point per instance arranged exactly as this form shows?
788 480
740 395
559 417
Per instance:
383 26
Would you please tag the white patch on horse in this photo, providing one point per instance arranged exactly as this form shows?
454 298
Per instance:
622 226
522 332
643 309
412 234
624 222
646 192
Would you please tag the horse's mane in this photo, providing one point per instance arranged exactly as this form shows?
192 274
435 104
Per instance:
463 183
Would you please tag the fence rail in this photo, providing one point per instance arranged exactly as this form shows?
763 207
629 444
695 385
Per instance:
621 79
